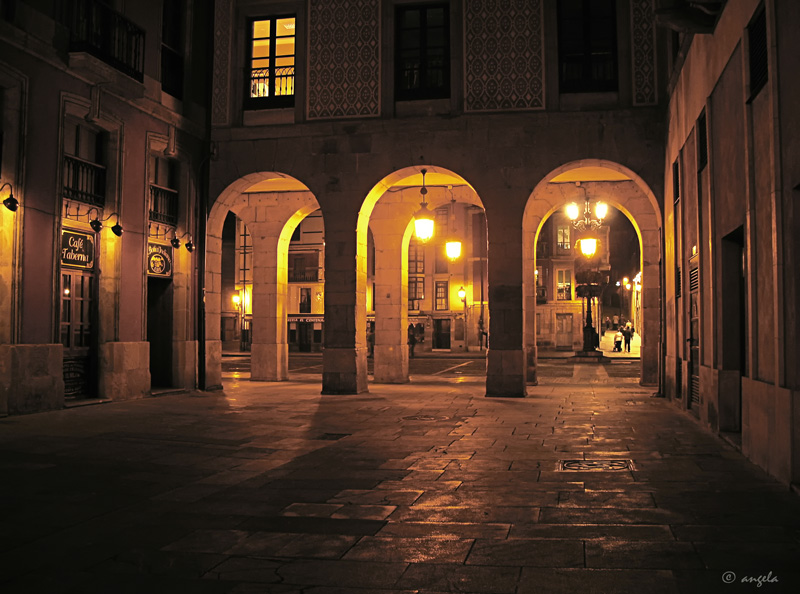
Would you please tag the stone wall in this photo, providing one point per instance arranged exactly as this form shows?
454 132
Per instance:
31 378
124 370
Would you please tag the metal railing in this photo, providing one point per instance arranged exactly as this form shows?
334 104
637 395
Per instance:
541 294
304 276
98 29
261 86
84 181
163 205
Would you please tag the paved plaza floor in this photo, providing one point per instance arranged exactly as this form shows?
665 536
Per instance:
585 486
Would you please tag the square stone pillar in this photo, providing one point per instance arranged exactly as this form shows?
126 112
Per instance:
344 359
391 301
506 370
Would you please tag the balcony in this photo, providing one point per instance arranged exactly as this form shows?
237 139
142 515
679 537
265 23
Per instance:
310 275
541 295
101 36
84 181
163 205
266 93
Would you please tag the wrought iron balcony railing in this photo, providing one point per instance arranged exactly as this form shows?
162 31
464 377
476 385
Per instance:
84 181
304 276
163 205
260 85
99 30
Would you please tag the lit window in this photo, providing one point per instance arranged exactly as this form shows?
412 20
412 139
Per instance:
564 286
272 59
562 238
442 302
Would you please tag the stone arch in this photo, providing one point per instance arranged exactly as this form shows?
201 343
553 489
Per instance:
636 200
272 205
388 211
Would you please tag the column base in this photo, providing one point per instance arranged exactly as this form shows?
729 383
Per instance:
391 364
344 371
213 365
506 374
269 362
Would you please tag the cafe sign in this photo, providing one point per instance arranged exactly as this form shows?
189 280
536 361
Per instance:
159 260
77 249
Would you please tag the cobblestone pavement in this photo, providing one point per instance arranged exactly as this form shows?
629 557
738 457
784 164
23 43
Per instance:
426 487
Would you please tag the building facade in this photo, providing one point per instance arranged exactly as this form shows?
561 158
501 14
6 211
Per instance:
103 141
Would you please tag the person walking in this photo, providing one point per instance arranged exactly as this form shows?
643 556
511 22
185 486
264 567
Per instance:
412 340
618 341
616 322
627 334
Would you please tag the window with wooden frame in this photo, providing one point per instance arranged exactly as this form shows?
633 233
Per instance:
270 71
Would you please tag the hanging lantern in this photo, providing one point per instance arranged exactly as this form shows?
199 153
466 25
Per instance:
588 246
453 249
423 218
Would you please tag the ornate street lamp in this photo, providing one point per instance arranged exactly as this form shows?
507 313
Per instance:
423 218
588 221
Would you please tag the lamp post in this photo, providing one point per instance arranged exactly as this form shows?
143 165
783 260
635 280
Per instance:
237 304
462 294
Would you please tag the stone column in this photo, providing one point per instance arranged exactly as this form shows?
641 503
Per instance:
269 354
506 367
344 360
391 237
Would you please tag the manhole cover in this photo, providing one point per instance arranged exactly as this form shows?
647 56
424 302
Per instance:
425 418
595 465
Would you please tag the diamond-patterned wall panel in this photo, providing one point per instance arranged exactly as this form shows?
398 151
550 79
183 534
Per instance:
644 52
222 62
343 58
503 55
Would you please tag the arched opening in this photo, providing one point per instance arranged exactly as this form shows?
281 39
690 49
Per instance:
268 208
424 299
618 187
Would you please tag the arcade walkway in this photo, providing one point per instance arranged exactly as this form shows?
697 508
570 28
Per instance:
427 487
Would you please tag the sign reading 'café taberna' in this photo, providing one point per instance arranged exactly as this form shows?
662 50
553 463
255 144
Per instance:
77 249
159 260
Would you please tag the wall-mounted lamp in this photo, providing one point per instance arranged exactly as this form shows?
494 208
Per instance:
176 241
97 223
10 202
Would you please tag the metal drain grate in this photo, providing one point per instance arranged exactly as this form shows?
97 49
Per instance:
425 418
594 465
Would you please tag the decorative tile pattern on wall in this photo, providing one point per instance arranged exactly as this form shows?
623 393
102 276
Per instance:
644 52
222 63
344 58
503 55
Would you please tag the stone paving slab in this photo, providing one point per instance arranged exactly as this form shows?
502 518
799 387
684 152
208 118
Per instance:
427 488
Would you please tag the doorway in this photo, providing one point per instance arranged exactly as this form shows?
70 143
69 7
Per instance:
77 332
159 331
441 333
734 329
564 331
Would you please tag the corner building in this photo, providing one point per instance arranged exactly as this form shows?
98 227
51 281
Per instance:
103 141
